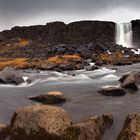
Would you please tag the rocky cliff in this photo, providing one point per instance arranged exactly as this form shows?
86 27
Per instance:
136 33
59 46
81 32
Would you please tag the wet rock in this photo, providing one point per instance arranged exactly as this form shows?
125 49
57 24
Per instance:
123 78
91 68
29 80
50 98
4 131
11 76
130 81
112 91
122 63
114 69
39 122
131 128
89 129
119 63
99 64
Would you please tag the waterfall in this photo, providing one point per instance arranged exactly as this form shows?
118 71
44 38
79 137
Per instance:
124 34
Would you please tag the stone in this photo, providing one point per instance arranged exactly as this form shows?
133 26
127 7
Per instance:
4 131
131 128
89 129
112 91
91 68
50 98
11 76
130 81
39 122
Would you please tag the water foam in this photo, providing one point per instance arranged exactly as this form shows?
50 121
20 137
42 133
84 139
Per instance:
136 51
25 78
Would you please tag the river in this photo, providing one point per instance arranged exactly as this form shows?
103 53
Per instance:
81 88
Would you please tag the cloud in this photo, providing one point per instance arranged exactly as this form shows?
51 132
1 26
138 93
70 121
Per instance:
27 12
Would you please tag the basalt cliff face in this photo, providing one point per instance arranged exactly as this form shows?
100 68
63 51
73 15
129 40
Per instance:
81 32
136 33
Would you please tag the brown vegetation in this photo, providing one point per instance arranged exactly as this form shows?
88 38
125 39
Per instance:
63 59
110 58
23 42
16 63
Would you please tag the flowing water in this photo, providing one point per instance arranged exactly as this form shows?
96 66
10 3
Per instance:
81 91
124 34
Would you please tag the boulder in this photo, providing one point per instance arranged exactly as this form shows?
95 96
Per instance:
4 131
39 122
112 91
50 98
130 81
11 76
123 78
131 128
89 129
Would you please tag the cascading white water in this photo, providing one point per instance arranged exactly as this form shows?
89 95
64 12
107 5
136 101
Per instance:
124 34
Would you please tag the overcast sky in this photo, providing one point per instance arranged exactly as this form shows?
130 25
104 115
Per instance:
31 12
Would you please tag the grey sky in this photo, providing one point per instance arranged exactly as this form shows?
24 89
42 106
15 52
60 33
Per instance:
28 12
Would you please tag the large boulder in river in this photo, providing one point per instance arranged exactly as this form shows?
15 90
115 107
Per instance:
89 129
50 98
39 122
11 76
131 128
130 81
112 91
